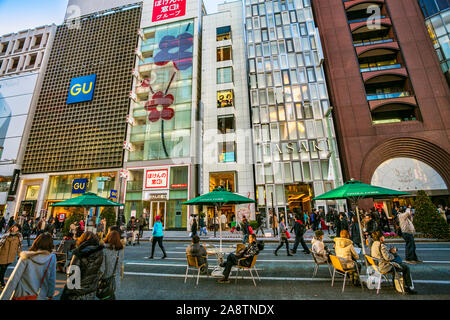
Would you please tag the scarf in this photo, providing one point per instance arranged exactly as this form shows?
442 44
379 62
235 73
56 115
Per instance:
8 234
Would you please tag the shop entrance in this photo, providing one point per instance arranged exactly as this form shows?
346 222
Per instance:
299 197
158 208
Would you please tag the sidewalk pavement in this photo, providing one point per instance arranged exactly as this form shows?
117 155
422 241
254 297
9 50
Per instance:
228 236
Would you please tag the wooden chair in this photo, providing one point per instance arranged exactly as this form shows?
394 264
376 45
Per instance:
338 268
192 263
374 263
316 268
250 268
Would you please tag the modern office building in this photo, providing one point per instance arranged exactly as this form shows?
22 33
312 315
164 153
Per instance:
227 152
289 101
76 136
437 20
164 138
390 98
22 56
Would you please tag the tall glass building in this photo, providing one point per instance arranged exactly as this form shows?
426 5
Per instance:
437 19
288 97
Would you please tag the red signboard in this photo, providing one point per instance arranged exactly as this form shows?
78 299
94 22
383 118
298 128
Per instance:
180 185
168 9
61 217
157 179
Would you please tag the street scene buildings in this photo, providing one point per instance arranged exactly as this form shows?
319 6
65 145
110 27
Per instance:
153 103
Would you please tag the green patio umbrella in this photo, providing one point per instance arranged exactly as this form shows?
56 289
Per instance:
354 191
219 197
87 200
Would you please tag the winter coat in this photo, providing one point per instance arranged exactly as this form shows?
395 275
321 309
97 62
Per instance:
406 224
199 251
89 258
380 251
10 246
28 274
109 260
355 235
132 226
283 230
27 229
299 229
345 252
318 248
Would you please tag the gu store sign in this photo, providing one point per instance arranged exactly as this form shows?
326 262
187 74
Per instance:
157 179
168 9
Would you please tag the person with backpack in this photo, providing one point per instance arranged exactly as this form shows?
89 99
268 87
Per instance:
10 246
112 260
299 231
34 276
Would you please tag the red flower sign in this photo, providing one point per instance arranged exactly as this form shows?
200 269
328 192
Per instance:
160 99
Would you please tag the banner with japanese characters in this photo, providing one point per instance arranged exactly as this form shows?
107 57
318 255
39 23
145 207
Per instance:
168 9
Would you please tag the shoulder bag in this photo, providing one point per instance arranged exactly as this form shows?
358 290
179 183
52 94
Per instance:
106 287
35 296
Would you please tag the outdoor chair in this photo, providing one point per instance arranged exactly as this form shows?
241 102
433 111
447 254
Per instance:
316 263
338 268
192 264
374 263
250 268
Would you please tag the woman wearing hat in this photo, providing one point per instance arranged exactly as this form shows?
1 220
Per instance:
10 246
157 236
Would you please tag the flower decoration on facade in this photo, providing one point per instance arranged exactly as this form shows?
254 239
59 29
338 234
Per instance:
159 99
181 58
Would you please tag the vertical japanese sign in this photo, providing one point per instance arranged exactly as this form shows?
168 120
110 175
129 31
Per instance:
168 9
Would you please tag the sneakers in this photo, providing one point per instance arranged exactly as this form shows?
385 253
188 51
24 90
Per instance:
223 281
289 255
150 257
293 252
164 256
275 253
306 252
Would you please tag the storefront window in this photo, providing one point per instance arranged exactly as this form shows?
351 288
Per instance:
225 180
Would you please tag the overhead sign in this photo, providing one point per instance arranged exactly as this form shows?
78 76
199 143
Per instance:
81 89
61 217
168 9
14 183
157 179
113 194
79 185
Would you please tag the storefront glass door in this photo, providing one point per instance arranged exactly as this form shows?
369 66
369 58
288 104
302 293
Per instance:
158 208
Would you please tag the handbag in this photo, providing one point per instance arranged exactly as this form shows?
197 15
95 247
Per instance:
35 296
288 235
106 287
250 230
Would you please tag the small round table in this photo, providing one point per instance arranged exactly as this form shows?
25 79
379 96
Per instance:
220 253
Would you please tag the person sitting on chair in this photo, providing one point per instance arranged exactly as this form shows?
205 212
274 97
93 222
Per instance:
347 254
389 259
319 249
195 249
232 260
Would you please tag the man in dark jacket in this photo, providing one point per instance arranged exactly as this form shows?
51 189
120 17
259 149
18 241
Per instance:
247 253
26 230
195 249
260 220
299 231
133 229
369 228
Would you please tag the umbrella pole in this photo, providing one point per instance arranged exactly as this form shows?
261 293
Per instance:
220 228
360 233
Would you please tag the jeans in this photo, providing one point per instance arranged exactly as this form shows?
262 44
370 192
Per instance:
410 248
300 240
202 230
244 240
3 268
284 241
232 260
404 269
158 240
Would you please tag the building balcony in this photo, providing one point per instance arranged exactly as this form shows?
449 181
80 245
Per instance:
395 98
351 3
388 45
384 96
388 71
358 23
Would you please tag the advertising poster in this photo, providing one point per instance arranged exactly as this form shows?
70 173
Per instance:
168 9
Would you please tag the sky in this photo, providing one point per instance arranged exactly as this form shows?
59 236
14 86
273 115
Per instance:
18 15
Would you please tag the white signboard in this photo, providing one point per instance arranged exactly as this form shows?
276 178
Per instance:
156 179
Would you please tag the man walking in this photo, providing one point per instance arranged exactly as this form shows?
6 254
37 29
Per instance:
407 227
260 220
299 230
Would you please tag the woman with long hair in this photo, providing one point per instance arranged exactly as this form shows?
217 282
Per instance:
34 276
112 259
87 259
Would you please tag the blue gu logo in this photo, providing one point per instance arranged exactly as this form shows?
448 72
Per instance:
81 89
